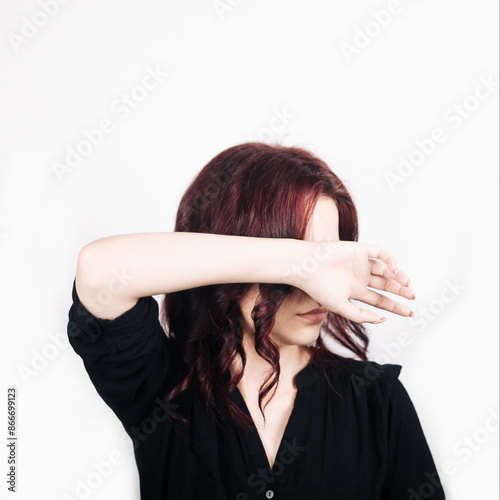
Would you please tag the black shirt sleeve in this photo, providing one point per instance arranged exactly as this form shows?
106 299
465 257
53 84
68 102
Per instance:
126 358
411 473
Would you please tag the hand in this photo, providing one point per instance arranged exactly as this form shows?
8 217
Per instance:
343 270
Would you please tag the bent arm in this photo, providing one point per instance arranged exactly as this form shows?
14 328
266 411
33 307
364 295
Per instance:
114 271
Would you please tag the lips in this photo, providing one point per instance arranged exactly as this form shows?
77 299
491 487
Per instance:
314 311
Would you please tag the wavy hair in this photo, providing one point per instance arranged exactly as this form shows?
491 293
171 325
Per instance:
258 190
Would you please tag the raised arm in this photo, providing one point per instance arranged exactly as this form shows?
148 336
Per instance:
113 272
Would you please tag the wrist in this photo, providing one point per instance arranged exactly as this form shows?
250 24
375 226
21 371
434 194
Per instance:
299 262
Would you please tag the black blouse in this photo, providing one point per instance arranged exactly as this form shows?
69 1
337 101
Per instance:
365 443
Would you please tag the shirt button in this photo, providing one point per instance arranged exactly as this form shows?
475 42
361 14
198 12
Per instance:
269 494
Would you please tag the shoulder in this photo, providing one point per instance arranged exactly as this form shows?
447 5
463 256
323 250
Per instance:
354 377
140 320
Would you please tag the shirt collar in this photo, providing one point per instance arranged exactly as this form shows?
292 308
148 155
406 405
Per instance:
308 375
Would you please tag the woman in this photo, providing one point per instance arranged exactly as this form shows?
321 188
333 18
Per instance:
245 397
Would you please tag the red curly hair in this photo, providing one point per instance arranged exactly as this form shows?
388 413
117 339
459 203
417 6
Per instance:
257 190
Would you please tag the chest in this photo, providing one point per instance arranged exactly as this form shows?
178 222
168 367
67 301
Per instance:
277 414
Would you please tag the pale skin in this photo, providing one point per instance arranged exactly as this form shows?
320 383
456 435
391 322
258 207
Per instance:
115 271
292 334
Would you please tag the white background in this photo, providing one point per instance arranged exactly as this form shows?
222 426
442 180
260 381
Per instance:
358 101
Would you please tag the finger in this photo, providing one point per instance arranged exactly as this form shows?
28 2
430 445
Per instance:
391 286
381 301
379 268
402 278
354 313
383 255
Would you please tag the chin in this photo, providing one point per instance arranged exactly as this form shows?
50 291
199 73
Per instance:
301 338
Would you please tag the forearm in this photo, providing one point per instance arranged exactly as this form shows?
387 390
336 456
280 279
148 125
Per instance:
156 263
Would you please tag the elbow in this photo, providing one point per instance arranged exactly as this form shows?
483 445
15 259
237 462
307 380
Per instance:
87 266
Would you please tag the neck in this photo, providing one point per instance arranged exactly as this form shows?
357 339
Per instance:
293 358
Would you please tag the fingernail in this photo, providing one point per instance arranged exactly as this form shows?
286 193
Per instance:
412 314
381 320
